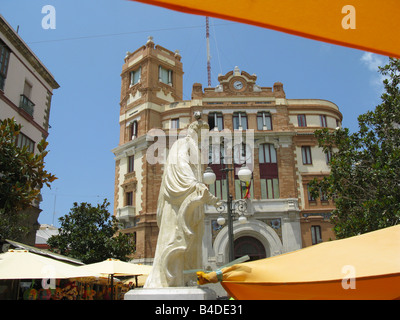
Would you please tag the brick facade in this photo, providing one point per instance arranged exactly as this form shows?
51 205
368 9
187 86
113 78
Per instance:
280 221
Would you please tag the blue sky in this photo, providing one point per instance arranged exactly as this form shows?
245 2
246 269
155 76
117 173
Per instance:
85 54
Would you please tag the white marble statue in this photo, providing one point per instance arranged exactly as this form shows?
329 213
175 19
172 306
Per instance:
180 212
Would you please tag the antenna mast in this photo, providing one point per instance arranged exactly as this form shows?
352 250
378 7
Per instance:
208 52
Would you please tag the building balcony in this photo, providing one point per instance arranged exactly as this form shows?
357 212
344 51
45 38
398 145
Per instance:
26 105
280 205
276 205
126 214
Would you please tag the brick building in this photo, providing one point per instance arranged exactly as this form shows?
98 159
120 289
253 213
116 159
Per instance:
283 155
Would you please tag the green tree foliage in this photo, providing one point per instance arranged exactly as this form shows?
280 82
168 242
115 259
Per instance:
90 234
22 175
365 166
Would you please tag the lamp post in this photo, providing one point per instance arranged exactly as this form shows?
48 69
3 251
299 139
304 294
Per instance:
244 175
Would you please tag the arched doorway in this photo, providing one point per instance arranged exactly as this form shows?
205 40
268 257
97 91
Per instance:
271 244
249 246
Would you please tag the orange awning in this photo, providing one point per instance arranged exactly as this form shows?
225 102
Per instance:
371 25
360 267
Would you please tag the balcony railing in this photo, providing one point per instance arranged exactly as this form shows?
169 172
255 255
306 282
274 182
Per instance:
26 104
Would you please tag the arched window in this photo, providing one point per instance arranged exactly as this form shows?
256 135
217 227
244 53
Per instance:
133 129
269 179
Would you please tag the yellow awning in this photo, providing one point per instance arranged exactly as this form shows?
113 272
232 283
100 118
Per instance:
360 267
371 25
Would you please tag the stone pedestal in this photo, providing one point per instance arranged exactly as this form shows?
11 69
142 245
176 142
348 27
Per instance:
171 293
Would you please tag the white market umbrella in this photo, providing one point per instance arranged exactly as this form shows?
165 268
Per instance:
115 267
21 264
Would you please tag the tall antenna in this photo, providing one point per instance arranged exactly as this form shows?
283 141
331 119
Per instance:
208 52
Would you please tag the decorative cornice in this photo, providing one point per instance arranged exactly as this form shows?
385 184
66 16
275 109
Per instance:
26 52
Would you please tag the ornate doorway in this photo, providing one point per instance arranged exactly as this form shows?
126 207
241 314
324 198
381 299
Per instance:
249 246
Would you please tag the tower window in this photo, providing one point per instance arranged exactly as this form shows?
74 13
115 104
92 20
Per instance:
131 163
165 75
135 76
129 198
133 130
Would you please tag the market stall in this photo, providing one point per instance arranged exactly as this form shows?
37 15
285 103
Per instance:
115 268
30 276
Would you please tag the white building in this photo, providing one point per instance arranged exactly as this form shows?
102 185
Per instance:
26 89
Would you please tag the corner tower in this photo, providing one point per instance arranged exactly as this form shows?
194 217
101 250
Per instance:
151 78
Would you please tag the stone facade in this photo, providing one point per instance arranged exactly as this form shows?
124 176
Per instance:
282 153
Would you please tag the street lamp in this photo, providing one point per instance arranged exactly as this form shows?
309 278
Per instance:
209 176
244 174
239 207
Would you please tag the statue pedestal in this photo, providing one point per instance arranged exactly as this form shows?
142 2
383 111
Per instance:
171 293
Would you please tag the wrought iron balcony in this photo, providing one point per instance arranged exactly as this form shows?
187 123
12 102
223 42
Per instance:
26 104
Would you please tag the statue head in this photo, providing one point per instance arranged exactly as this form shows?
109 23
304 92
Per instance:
198 128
